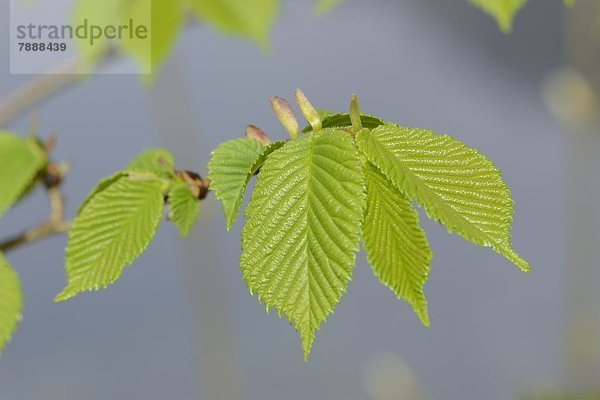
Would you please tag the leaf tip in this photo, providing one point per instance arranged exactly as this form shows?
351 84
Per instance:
66 294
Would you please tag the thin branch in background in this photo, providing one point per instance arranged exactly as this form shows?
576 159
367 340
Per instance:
38 89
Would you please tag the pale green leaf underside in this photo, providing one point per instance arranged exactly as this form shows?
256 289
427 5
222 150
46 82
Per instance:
184 207
396 246
149 161
456 185
251 18
110 232
303 227
11 301
230 167
21 160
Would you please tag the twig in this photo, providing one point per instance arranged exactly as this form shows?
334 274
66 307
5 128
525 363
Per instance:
38 89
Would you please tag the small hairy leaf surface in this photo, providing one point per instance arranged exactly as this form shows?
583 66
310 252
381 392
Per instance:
22 159
231 165
149 161
184 207
303 228
110 232
456 185
11 301
251 18
503 11
396 246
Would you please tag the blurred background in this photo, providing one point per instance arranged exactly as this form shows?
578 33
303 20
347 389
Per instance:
180 324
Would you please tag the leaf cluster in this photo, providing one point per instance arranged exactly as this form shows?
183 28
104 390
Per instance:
353 177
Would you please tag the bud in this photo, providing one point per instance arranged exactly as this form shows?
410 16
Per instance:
285 113
355 114
253 132
309 112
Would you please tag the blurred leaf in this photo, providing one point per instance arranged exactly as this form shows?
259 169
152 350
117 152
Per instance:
167 19
324 6
184 207
456 185
149 161
100 13
396 246
11 301
503 11
113 228
22 159
251 18
303 228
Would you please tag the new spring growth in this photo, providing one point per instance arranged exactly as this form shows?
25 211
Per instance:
309 112
254 132
285 113
355 114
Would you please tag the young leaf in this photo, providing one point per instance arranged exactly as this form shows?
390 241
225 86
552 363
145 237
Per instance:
340 120
303 228
260 161
503 11
251 18
22 159
102 185
110 232
184 207
231 165
396 246
11 301
149 161
456 185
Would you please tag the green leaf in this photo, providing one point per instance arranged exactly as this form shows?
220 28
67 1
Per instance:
11 301
149 161
251 18
184 207
267 150
22 159
456 185
340 120
102 185
166 19
99 13
396 246
303 228
503 11
231 165
111 231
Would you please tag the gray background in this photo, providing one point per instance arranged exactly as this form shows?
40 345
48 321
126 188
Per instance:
440 64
